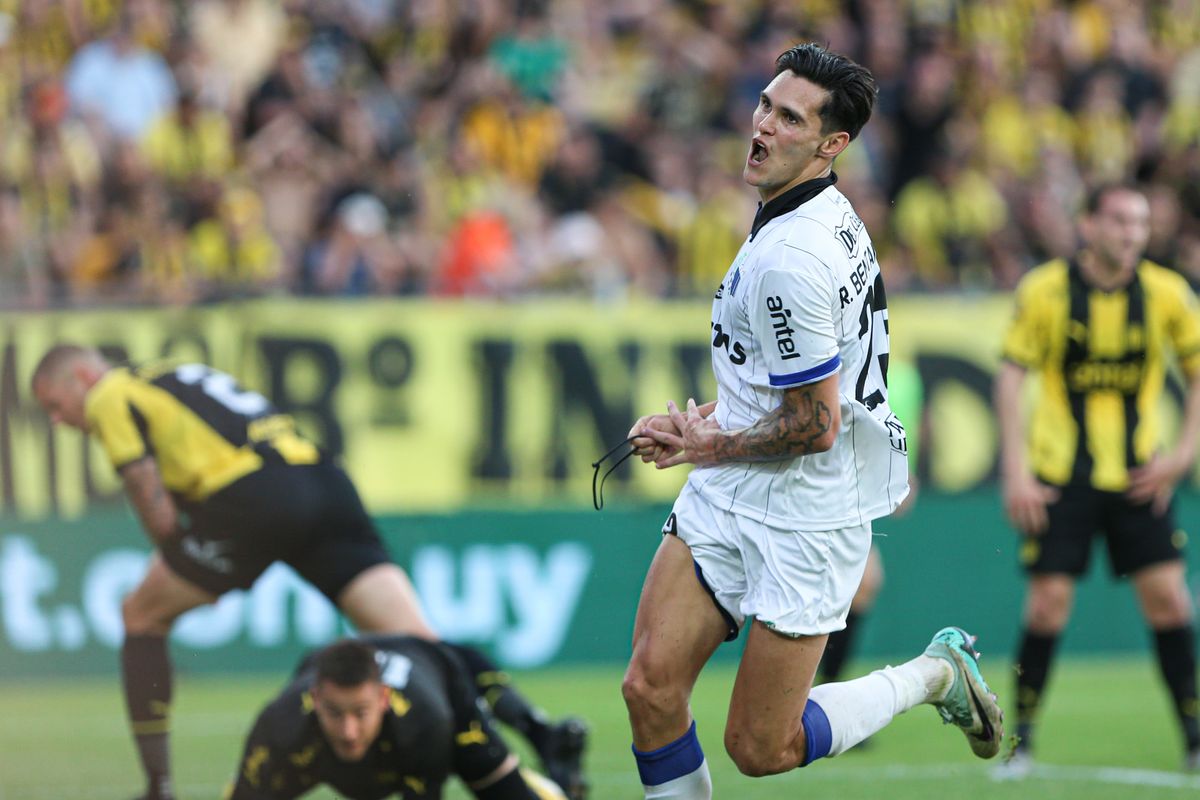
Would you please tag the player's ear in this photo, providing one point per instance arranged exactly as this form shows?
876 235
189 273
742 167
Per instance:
85 373
833 144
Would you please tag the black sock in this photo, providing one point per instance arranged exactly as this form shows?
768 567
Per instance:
509 706
1177 659
837 648
146 672
1033 668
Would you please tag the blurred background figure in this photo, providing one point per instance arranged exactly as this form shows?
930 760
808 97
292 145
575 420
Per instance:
991 119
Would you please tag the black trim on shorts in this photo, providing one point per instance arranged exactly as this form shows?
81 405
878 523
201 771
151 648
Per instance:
730 622
671 528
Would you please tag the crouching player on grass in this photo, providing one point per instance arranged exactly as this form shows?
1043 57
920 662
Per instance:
381 717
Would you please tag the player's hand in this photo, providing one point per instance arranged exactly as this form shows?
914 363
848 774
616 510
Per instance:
1155 481
644 446
694 440
1025 501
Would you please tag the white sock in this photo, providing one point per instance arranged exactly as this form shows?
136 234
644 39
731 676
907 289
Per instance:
858 708
675 771
696 785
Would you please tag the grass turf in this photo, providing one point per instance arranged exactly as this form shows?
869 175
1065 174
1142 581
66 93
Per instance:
1107 732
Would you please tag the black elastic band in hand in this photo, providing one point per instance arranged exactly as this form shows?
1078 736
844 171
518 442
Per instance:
598 480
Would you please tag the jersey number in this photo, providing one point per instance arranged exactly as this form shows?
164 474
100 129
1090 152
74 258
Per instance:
224 389
871 387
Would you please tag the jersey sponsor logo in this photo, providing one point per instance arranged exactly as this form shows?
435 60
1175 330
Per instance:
783 332
737 353
1103 374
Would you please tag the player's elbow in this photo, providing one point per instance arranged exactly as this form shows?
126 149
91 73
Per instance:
827 435
824 442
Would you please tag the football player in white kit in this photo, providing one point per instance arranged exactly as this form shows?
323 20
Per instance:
793 460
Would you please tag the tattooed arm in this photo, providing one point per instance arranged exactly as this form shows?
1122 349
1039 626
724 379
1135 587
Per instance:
150 498
806 421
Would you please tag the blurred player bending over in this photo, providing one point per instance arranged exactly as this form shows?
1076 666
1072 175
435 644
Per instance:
224 486
380 717
1098 327
797 455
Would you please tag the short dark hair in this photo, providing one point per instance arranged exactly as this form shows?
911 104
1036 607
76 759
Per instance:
851 86
347 663
1095 197
60 356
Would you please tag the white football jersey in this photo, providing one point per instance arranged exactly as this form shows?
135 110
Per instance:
804 299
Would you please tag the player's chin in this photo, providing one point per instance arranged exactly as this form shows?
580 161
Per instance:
350 755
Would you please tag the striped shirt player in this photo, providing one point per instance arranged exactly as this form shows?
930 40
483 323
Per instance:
793 460
804 299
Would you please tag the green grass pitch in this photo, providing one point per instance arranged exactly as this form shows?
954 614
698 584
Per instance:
1107 733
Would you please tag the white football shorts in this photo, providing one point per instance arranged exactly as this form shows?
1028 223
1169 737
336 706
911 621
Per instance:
797 583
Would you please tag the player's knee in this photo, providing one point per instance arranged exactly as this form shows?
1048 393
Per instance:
140 618
647 695
1167 609
1048 610
756 758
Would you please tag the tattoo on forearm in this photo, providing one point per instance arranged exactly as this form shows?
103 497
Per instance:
150 498
792 429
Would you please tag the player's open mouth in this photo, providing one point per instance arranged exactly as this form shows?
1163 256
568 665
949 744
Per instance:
758 152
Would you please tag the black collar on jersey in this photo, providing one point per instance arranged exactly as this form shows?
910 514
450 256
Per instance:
1074 266
790 200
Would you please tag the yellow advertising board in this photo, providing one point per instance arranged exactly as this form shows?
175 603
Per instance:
437 405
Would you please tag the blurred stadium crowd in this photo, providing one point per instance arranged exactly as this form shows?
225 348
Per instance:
179 152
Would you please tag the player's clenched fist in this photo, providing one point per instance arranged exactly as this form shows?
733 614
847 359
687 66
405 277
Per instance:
646 447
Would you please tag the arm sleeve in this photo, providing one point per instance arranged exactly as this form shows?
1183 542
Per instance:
1026 339
791 314
262 771
118 425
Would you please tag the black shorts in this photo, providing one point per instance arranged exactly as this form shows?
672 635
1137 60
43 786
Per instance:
307 516
1136 537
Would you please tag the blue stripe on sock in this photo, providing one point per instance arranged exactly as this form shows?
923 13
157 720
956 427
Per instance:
818 736
681 757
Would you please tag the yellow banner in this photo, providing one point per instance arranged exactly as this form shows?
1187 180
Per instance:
441 405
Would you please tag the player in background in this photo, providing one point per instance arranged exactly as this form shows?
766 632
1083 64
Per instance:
906 398
795 458
380 717
1099 328
224 486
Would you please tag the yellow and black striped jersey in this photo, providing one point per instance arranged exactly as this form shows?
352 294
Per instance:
203 429
1103 359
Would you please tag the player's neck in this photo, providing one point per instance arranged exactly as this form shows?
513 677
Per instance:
1103 273
816 169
